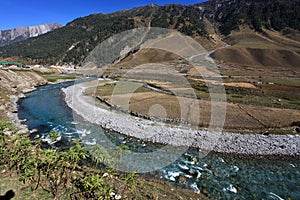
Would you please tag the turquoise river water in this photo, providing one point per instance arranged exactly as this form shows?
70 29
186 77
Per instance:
220 176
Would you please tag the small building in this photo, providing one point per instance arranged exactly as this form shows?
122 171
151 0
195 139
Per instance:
8 64
4 63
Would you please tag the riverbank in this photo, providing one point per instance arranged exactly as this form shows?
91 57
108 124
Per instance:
14 85
220 142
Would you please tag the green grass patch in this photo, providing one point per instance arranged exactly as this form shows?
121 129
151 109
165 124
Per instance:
255 44
56 77
282 81
20 70
263 97
10 181
281 97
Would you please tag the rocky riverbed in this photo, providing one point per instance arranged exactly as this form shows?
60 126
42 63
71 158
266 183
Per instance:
222 142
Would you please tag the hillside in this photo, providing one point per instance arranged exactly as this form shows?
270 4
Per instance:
207 22
272 51
12 86
23 33
72 43
258 14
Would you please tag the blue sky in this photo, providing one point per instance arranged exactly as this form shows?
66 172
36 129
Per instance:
18 13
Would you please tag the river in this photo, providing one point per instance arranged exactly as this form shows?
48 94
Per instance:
218 176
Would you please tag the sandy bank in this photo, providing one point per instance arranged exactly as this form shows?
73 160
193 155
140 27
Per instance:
252 144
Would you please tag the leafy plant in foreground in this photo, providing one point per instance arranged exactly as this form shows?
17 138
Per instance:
61 173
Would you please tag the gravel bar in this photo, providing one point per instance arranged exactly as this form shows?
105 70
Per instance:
158 132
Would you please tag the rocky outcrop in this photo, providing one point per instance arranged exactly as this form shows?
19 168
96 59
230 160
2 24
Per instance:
23 33
12 86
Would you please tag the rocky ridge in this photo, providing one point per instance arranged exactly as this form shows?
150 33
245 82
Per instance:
23 33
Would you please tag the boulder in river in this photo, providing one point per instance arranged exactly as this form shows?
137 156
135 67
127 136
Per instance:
266 133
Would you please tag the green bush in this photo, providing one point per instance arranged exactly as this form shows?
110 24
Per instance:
60 173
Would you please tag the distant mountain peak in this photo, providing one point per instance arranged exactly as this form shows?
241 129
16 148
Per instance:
23 33
153 5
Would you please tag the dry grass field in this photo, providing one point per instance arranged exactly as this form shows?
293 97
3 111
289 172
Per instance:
239 117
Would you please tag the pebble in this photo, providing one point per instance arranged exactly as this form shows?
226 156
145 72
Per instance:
235 168
231 188
172 179
37 137
33 131
195 188
292 165
183 167
204 191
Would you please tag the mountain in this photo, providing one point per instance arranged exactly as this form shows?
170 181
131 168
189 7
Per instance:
258 14
211 23
23 33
